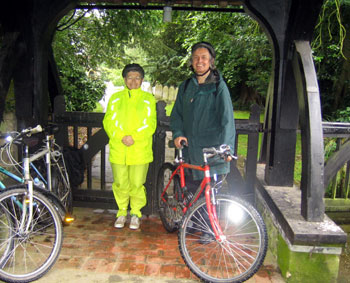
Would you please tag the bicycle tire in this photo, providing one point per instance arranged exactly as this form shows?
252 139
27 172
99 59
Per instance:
169 208
34 252
241 253
60 184
6 235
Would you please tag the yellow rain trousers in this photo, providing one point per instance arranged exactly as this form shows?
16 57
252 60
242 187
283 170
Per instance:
128 186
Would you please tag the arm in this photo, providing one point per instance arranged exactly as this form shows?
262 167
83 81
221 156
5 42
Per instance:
176 117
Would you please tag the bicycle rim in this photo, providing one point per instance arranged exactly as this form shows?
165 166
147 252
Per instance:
170 211
33 252
234 259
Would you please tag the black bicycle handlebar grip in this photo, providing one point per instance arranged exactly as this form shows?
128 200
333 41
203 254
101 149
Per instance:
171 143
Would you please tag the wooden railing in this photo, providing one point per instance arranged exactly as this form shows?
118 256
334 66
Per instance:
337 165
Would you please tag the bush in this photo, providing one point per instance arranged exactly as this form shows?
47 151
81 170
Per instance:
343 115
81 91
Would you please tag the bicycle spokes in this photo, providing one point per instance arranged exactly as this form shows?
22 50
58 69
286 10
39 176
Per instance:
234 257
169 198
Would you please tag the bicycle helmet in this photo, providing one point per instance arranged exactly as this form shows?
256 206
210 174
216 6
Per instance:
133 68
204 44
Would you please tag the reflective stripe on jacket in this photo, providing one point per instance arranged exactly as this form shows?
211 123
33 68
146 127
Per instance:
131 112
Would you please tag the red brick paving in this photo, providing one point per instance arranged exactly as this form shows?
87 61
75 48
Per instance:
91 243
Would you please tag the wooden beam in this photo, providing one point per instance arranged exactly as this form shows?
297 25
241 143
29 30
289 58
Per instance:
312 177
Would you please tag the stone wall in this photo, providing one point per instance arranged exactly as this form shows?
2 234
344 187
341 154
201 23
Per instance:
305 251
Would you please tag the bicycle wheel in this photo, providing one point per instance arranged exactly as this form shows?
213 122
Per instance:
169 207
35 250
238 256
60 184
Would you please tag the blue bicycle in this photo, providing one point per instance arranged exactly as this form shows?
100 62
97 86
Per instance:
47 168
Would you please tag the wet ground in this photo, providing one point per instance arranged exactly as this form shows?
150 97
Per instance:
94 251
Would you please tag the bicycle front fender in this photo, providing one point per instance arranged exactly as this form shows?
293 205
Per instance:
54 199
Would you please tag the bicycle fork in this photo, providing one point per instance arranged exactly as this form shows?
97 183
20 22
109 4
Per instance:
28 201
213 218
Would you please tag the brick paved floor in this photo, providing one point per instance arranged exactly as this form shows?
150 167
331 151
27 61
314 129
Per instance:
94 251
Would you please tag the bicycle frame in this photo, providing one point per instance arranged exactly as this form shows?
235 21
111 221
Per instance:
44 152
209 193
11 175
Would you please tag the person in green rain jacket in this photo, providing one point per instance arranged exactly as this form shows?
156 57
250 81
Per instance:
203 113
130 122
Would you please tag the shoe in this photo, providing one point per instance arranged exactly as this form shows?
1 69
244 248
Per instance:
134 223
120 222
206 238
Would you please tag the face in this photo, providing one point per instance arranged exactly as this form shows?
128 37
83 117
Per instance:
133 80
201 60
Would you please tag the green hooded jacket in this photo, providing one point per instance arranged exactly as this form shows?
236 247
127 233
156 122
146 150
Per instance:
131 112
204 115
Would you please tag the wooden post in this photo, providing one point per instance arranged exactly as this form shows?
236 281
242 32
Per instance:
312 186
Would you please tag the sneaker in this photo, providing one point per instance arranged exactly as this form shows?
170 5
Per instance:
120 222
134 223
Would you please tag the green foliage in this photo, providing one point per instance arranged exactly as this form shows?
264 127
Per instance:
113 75
81 91
243 51
337 187
106 40
343 115
99 42
331 46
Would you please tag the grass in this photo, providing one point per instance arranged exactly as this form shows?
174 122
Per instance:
243 142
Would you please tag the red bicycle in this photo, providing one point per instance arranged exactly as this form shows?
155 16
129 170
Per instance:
222 238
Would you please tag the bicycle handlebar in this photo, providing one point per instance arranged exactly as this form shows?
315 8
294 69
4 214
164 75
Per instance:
12 137
223 151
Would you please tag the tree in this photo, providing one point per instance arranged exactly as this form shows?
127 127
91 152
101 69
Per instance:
107 39
331 47
92 41
243 51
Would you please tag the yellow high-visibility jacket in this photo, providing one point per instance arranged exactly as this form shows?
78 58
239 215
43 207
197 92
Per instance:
131 112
